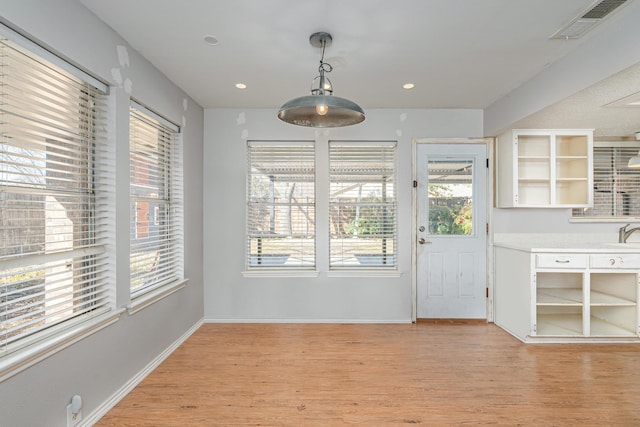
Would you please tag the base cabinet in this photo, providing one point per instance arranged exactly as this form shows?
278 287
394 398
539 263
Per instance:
567 297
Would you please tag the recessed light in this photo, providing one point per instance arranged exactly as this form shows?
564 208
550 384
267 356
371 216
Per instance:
211 40
408 86
241 85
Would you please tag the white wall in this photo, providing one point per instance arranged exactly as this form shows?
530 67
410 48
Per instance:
98 366
231 297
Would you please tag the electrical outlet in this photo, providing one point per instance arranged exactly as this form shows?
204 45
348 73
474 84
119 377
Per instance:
73 418
74 411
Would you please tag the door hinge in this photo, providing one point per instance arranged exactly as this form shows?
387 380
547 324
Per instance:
487 227
487 163
487 292
415 184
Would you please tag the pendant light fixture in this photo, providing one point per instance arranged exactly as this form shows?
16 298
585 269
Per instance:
321 109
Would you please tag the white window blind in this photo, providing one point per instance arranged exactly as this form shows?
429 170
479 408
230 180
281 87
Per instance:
616 187
54 192
156 219
362 204
280 205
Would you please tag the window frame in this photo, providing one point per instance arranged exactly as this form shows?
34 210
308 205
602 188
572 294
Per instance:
93 222
627 148
304 152
169 258
377 262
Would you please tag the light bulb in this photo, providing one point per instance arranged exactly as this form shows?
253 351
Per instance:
322 109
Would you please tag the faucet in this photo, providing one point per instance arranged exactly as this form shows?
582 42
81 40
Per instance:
623 233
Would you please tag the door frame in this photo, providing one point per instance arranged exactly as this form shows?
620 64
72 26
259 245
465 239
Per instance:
489 142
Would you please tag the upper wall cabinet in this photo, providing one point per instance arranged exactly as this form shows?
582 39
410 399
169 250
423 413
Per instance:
545 168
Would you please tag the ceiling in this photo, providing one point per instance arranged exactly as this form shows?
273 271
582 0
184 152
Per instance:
457 53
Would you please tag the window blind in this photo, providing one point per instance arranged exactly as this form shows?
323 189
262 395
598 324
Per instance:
54 218
156 219
280 205
616 186
362 204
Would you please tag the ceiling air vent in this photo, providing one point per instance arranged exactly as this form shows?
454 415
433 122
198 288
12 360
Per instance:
587 20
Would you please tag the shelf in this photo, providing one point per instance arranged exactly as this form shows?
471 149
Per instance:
559 325
559 296
602 299
602 328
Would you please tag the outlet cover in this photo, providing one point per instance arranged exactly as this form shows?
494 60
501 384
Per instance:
73 419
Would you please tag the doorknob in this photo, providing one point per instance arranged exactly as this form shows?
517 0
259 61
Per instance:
422 241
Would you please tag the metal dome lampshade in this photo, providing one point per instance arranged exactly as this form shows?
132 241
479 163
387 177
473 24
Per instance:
321 109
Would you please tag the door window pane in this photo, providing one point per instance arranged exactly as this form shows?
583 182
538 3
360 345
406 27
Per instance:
450 194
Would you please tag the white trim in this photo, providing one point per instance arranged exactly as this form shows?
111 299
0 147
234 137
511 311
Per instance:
113 400
29 356
156 116
149 298
328 321
38 259
364 273
489 143
280 273
618 219
35 46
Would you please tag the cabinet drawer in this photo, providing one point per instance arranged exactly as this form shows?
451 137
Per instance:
615 261
561 261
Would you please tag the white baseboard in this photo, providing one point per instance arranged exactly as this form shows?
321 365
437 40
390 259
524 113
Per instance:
113 400
381 321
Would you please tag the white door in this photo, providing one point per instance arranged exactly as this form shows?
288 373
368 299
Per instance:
451 237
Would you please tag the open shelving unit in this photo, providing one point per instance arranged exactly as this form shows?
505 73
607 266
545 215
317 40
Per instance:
545 168
559 304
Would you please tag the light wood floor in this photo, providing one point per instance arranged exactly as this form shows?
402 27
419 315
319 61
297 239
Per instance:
430 373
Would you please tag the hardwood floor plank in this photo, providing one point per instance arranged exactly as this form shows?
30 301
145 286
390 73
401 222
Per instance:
429 373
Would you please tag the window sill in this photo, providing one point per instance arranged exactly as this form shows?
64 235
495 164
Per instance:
18 361
145 300
280 273
619 219
364 273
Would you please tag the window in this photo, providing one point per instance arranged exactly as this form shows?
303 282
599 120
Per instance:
616 187
362 204
280 205
55 169
156 202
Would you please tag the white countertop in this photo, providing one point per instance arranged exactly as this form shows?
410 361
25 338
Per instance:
561 242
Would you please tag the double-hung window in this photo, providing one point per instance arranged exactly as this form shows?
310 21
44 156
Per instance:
616 192
54 177
362 204
280 205
156 229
